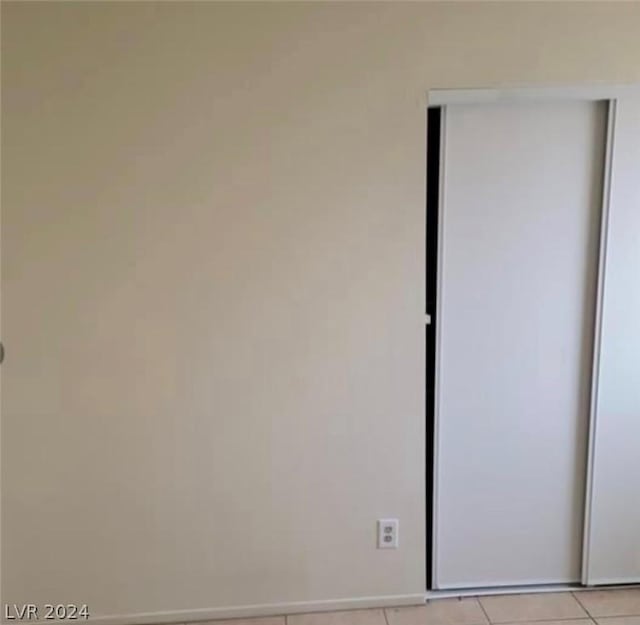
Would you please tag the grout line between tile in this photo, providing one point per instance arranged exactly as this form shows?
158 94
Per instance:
384 612
546 620
563 619
575 596
479 600
586 616
612 617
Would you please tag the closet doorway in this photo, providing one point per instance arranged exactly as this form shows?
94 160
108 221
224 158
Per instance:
517 230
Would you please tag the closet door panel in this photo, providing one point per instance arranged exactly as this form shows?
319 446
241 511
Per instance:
612 546
519 242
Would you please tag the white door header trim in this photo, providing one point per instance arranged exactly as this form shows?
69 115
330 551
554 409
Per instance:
441 97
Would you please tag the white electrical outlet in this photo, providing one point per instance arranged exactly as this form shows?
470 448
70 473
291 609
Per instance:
387 533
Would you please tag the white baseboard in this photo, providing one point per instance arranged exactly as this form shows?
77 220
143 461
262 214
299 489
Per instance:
247 611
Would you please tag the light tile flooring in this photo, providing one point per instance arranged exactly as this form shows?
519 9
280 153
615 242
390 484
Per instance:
589 607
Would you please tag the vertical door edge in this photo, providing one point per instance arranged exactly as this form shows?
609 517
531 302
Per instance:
587 576
438 349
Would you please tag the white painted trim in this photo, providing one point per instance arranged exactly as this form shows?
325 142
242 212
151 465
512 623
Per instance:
597 338
438 355
441 97
265 609
509 590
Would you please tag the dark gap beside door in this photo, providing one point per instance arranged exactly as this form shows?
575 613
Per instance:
434 118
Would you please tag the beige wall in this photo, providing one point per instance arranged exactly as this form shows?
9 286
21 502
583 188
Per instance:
213 286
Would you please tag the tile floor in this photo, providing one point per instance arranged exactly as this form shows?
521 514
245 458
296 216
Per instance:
589 607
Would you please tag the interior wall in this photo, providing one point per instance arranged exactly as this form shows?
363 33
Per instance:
213 286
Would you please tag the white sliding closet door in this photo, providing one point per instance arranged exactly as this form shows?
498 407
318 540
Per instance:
612 545
520 222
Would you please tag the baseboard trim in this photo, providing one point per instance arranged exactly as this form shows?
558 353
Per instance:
247 611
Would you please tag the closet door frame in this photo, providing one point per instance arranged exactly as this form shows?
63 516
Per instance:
442 98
